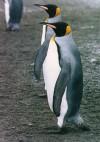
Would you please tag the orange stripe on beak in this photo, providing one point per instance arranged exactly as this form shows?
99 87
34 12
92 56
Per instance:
43 7
51 26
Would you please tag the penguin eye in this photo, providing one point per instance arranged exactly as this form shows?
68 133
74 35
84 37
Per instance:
68 29
58 11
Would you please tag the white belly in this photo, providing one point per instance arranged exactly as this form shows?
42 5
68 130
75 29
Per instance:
7 12
51 70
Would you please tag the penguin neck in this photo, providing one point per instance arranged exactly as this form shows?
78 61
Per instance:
54 19
65 39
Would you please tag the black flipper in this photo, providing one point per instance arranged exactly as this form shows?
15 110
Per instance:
40 57
74 93
61 83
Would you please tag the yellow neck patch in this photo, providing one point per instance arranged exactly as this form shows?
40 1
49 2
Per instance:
53 38
68 30
58 11
46 20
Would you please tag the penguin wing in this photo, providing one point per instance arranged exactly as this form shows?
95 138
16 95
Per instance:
75 92
40 57
60 86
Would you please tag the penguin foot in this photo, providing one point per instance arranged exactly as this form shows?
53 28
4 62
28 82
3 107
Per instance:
12 29
15 29
79 122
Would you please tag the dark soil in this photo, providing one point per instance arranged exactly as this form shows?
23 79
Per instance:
25 117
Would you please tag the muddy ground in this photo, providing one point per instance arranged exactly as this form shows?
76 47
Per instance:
25 117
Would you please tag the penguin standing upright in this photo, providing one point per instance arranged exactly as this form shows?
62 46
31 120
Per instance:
13 14
54 13
63 75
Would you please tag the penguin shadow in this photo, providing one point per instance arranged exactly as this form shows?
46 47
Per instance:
65 130
55 130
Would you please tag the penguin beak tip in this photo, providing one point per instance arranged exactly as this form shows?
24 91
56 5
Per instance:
36 5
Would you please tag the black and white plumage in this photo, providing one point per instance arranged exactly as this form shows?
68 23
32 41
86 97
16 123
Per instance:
63 75
54 15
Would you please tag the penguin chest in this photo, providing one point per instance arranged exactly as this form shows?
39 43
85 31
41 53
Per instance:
51 70
7 11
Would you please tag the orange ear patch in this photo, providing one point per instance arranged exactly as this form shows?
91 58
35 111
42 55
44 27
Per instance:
52 38
68 29
58 11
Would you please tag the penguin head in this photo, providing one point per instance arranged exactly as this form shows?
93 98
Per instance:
51 9
60 28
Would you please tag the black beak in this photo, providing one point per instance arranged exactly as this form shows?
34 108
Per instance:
38 5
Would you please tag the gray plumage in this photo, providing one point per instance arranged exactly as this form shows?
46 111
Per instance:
42 51
64 76
39 58
71 75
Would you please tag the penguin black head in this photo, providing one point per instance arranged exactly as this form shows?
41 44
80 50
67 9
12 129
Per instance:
51 9
60 28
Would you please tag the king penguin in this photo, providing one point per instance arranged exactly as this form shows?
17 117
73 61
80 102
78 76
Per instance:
54 13
63 75
13 14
